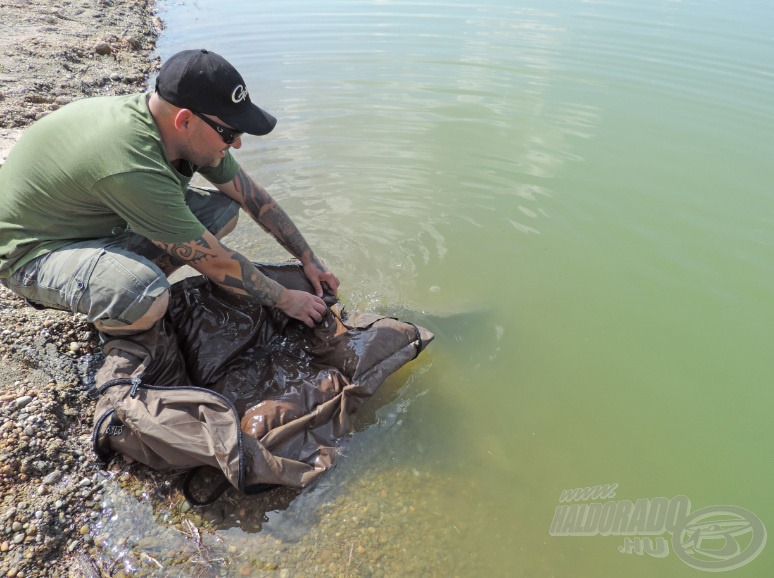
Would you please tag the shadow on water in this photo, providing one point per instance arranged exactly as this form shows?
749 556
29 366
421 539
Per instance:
465 333
462 338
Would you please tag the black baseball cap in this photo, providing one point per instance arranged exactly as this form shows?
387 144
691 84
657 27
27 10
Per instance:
205 82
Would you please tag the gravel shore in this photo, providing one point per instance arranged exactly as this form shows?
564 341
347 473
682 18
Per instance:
50 482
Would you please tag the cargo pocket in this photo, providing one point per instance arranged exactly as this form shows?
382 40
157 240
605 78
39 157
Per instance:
79 286
118 286
25 284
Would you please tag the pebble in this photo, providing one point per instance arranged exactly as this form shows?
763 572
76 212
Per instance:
22 401
19 538
103 48
84 530
147 542
52 478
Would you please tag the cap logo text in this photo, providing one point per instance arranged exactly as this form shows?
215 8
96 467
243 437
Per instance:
239 93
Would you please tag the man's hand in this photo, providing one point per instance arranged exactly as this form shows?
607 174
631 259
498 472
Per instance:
318 273
302 306
235 272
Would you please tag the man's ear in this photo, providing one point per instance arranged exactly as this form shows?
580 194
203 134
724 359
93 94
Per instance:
183 120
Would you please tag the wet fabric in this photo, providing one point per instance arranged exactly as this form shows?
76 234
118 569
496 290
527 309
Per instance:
228 383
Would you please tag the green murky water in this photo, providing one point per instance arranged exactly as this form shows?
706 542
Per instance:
576 197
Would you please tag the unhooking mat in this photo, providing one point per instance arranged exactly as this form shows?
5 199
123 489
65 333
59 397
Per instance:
222 381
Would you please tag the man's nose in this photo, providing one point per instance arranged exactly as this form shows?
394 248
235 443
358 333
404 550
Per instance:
237 144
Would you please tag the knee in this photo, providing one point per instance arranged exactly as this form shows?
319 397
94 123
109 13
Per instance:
152 315
230 226
156 311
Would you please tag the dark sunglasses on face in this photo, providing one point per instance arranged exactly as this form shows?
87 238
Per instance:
229 135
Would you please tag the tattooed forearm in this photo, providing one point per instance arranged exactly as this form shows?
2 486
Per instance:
270 216
277 222
317 263
225 267
167 263
192 252
254 283
246 187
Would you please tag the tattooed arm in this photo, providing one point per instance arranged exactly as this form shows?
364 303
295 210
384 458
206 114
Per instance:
235 272
269 215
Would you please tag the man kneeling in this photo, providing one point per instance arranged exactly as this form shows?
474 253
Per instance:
96 208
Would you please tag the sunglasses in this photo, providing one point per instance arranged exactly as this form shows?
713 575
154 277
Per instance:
229 135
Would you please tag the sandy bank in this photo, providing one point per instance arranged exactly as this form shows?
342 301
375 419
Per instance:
50 483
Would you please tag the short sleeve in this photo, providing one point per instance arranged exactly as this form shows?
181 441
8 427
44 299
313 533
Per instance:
152 204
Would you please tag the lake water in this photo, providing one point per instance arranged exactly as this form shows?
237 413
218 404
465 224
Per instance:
576 197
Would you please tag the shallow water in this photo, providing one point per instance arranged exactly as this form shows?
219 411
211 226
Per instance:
576 197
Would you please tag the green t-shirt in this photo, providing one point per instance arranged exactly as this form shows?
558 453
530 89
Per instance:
92 169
